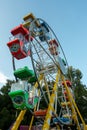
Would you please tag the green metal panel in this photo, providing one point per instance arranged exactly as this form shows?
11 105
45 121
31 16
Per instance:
21 98
32 104
18 99
32 79
23 73
18 92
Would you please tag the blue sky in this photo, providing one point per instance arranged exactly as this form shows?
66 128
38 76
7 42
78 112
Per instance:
68 19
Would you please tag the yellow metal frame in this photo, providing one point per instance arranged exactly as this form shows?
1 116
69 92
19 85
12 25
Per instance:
18 120
36 85
28 16
71 104
27 22
46 125
74 107
32 119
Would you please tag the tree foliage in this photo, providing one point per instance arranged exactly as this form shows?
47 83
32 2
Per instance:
80 90
7 111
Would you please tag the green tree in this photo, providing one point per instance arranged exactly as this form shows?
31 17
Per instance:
6 88
74 75
7 111
80 90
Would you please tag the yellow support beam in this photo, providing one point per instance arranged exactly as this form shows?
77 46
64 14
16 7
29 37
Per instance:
18 120
39 79
47 88
74 107
46 125
85 127
32 119
36 85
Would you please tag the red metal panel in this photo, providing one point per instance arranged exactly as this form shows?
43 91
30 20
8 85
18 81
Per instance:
19 29
53 42
69 84
16 48
40 113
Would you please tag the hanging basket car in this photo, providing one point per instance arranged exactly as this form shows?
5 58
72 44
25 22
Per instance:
21 93
66 95
23 73
68 83
17 49
19 46
44 32
28 19
21 33
40 112
53 47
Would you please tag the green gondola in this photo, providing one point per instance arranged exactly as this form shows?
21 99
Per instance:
32 79
19 95
23 95
23 73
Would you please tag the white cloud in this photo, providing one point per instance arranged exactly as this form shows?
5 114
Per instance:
3 78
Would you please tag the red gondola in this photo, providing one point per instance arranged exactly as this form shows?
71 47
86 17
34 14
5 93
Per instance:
19 47
54 42
65 93
69 84
53 47
21 33
40 112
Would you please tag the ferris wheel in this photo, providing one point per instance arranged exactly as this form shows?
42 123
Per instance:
46 82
